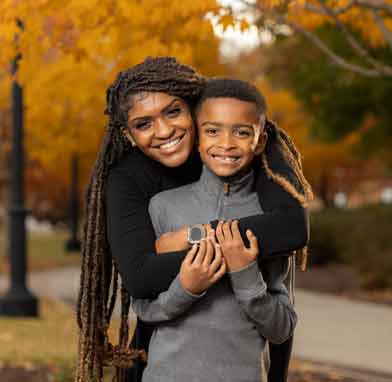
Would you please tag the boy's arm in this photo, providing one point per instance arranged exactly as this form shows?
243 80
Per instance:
199 270
167 306
265 299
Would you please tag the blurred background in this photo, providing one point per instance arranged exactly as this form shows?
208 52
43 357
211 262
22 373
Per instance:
325 68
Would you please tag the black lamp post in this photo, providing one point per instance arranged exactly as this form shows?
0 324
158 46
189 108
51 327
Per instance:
73 244
18 301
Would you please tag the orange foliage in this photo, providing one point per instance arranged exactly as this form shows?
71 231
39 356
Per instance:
71 51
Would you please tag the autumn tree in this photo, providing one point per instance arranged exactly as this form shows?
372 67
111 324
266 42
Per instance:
363 24
72 50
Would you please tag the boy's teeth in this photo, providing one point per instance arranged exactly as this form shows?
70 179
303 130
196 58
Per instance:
170 144
227 159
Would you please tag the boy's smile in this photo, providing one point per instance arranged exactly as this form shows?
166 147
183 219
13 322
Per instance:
229 135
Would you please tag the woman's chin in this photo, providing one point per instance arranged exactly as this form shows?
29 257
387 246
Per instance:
173 160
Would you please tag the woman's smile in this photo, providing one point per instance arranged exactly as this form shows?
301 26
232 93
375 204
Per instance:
161 126
171 145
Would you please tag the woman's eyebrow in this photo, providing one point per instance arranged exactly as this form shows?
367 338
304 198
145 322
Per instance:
163 109
171 103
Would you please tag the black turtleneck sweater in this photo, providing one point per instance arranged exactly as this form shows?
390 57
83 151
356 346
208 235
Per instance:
135 179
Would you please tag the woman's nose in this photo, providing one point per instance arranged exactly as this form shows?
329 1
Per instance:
163 129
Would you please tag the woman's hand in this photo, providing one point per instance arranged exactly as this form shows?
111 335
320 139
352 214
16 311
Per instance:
200 268
173 241
236 254
176 241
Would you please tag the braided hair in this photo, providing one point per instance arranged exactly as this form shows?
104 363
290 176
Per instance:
99 280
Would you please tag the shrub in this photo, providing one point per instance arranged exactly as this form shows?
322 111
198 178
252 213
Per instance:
359 237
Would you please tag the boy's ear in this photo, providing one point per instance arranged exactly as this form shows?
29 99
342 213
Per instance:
262 142
263 136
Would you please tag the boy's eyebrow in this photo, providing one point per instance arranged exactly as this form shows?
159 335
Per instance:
211 123
218 124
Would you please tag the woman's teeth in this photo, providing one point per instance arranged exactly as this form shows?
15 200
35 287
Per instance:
170 144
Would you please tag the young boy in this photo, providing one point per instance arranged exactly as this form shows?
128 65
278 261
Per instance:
214 320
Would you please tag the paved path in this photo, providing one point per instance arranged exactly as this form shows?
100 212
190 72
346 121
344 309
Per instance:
332 330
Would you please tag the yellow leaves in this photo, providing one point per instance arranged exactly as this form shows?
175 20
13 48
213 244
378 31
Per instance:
72 50
226 20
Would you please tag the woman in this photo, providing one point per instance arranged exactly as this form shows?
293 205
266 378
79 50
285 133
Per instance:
149 106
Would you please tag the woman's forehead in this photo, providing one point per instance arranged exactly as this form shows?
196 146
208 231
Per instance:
150 103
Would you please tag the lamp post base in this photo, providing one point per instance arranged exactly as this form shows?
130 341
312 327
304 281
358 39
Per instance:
19 302
73 245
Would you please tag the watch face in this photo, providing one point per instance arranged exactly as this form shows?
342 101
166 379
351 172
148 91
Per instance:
196 234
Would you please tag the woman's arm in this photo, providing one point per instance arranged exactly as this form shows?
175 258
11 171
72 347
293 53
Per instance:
281 229
131 236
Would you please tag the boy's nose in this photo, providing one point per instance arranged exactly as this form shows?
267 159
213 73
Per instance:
226 141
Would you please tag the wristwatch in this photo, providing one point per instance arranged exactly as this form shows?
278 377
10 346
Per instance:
196 233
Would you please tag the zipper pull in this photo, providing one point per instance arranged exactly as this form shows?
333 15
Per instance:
226 188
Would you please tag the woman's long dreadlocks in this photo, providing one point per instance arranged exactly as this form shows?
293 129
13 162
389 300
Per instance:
99 277
99 281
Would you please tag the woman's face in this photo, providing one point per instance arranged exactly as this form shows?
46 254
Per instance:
161 126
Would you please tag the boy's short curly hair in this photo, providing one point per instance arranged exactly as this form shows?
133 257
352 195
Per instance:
233 88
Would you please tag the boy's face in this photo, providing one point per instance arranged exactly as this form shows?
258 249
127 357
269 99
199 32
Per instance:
230 135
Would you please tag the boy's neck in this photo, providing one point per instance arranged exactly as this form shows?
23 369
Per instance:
239 183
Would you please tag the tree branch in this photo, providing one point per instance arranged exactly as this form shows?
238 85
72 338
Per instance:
354 43
335 58
387 34
378 69
378 5
315 9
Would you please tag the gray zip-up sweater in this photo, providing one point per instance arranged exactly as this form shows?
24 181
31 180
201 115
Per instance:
221 334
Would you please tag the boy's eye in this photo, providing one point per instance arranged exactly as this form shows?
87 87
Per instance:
174 112
211 131
243 132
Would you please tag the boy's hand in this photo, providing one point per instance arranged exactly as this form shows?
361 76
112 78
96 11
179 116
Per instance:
236 254
200 268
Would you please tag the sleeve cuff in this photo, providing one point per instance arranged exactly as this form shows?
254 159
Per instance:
248 281
182 294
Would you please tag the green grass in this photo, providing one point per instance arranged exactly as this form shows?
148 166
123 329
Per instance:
49 341
45 251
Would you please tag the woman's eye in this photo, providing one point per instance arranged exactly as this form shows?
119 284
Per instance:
142 125
174 112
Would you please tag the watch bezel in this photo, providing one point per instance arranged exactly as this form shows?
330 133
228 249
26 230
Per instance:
201 228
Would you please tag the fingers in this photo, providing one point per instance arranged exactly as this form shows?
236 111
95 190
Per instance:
216 263
211 235
191 254
235 230
208 228
209 253
227 231
221 271
201 253
219 232
254 245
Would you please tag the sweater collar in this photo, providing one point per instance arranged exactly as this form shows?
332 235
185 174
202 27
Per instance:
238 185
